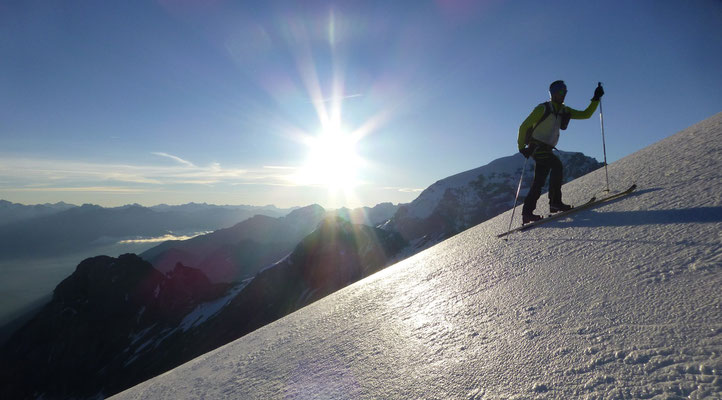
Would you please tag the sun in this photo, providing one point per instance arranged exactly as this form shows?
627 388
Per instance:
332 159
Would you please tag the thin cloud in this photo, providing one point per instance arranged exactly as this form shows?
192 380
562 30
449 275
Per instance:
408 190
26 174
162 238
108 189
174 158
279 167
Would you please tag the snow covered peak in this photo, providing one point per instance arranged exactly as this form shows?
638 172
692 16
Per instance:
619 301
501 168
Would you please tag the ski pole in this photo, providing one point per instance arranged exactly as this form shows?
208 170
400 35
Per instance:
518 188
604 145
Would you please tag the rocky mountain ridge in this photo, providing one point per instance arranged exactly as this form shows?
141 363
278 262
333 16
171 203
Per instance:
71 229
239 252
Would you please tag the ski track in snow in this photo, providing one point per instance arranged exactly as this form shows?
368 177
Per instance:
621 301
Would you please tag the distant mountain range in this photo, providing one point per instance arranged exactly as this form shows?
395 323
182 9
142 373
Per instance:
239 252
13 212
29 231
51 230
118 321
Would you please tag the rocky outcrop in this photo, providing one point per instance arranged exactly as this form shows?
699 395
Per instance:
78 344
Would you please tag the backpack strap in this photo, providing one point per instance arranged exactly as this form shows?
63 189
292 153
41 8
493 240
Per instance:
548 109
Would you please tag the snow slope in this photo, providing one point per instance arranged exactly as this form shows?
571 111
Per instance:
621 301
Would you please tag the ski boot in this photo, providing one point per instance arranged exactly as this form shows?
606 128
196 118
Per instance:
555 208
527 218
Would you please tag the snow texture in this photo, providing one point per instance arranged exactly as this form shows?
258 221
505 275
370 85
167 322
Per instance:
617 302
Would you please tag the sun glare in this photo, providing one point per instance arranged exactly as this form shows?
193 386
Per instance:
332 160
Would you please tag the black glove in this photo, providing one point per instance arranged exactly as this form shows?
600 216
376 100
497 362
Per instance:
527 151
598 93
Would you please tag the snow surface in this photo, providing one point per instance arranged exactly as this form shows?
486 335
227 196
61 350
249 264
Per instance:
620 301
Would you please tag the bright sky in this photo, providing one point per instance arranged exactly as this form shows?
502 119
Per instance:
343 103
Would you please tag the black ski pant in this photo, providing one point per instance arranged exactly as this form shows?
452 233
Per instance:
545 162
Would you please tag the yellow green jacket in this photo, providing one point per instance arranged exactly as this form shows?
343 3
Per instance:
548 130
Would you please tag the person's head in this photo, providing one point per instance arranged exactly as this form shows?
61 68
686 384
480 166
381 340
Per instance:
557 91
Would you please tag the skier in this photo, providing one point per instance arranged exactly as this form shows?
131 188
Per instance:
538 136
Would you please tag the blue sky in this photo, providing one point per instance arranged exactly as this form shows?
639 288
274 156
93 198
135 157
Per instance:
172 101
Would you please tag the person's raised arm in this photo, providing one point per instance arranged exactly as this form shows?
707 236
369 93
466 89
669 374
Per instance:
576 114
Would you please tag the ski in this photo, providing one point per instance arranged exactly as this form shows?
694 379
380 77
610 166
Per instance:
591 203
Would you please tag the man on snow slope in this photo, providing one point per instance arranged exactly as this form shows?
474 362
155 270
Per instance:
538 135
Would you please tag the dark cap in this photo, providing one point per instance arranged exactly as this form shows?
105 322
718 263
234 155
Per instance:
557 86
